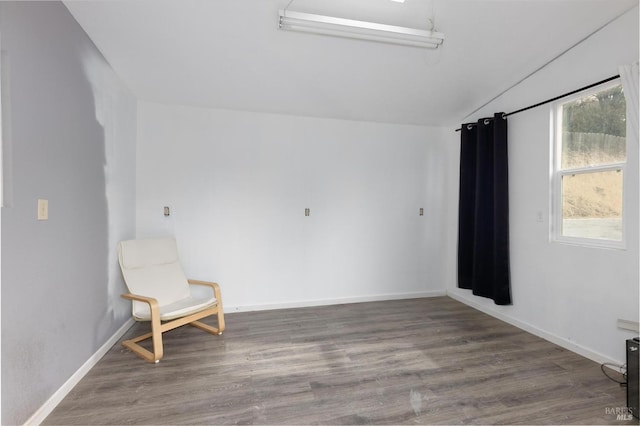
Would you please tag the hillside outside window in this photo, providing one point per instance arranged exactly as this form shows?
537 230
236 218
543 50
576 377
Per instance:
590 155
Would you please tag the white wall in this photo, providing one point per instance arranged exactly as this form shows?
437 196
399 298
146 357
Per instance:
569 294
73 143
238 183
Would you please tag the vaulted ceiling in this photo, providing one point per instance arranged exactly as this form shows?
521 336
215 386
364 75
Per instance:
230 54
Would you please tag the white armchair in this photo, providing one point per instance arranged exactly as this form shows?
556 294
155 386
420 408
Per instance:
160 293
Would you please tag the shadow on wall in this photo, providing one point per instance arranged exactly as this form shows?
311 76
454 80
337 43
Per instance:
115 111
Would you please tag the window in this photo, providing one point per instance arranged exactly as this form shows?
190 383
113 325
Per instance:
590 154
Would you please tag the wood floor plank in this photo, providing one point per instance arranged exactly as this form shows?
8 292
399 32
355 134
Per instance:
418 361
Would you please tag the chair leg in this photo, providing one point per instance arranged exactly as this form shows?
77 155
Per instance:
220 319
156 332
204 327
208 328
157 328
155 335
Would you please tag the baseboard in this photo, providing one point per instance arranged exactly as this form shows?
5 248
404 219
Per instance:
46 409
553 338
339 301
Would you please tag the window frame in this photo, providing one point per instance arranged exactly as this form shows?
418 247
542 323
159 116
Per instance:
557 175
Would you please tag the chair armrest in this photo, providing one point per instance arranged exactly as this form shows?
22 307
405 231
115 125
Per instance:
153 304
216 288
150 300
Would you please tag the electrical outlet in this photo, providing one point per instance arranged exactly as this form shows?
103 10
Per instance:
43 209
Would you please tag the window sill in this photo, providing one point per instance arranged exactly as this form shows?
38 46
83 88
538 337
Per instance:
591 243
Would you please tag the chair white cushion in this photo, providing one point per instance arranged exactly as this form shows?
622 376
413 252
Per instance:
151 268
178 309
136 254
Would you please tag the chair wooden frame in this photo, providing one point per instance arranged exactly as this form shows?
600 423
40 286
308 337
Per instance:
158 327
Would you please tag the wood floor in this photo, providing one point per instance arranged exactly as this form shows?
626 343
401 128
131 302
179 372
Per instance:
419 361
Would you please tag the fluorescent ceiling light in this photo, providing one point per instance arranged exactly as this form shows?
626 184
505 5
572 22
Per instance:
349 28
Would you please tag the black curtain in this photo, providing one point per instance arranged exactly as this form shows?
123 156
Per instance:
483 226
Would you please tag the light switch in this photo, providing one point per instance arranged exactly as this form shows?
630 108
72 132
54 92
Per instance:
43 209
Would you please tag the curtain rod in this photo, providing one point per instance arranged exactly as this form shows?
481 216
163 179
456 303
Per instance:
606 80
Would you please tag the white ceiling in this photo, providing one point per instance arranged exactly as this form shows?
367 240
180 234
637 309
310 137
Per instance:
230 54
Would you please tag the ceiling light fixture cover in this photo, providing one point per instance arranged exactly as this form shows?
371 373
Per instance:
362 30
